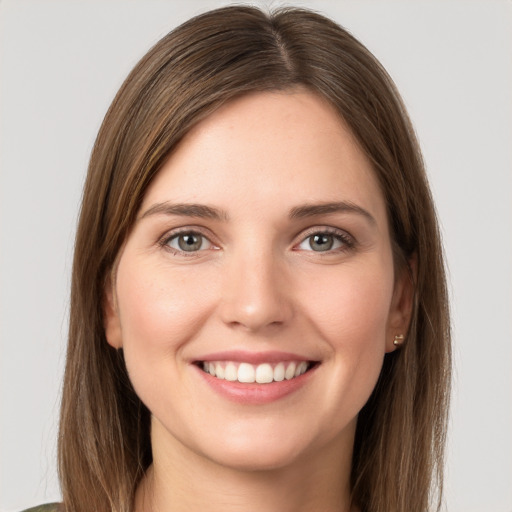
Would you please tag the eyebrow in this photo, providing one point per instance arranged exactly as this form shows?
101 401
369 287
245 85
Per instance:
298 212
311 210
186 209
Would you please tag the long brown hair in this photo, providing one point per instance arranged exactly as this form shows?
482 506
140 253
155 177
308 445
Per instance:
104 444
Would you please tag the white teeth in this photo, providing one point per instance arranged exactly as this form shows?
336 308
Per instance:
219 371
231 373
279 372
301 368
247 373
264 374
290 371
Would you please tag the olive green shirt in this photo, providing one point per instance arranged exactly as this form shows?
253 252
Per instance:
49 507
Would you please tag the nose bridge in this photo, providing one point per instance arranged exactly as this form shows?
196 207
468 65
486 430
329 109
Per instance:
254 291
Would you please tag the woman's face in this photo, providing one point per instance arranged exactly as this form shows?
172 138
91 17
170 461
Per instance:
261 251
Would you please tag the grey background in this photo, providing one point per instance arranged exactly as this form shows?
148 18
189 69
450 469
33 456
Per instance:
62 61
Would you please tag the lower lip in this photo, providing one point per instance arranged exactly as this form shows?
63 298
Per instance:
255 394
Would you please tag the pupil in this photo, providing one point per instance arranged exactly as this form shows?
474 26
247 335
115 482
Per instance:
322 242
189 242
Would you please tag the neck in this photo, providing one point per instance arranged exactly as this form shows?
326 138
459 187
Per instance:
180 479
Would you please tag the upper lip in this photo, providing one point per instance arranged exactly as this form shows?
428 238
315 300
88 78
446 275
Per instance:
252 357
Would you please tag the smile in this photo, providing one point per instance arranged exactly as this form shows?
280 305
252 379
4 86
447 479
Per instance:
255 378
263 373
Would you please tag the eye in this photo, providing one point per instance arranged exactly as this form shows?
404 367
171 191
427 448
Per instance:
323 241
188 241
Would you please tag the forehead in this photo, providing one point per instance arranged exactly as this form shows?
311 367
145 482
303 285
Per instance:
281 147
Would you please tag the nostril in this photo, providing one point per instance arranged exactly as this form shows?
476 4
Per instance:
254 298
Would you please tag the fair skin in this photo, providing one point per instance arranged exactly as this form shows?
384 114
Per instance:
263 242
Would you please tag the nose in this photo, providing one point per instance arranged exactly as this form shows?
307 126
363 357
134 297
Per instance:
256 293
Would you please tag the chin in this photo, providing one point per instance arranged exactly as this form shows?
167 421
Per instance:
257 456
271 446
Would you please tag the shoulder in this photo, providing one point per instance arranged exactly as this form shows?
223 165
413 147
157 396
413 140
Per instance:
49 507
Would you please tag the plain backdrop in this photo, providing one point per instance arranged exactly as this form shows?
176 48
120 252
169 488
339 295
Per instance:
61 63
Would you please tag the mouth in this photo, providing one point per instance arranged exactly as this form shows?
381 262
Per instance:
262 373
255 379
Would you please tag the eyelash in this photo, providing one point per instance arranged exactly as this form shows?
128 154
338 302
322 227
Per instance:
166 239
347 240
341 236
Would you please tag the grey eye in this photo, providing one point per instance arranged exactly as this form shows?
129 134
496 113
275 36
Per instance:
321 242
189 242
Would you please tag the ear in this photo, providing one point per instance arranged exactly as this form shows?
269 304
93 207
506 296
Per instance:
402 304
111 321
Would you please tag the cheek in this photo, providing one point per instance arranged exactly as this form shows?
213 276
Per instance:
159 312
351 317
349 310
351 306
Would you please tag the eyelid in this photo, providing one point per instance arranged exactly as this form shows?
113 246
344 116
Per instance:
348 240
164 240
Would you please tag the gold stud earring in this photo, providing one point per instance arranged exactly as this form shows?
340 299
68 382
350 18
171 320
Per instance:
399 339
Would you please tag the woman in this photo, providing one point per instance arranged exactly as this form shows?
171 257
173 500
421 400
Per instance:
259 315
